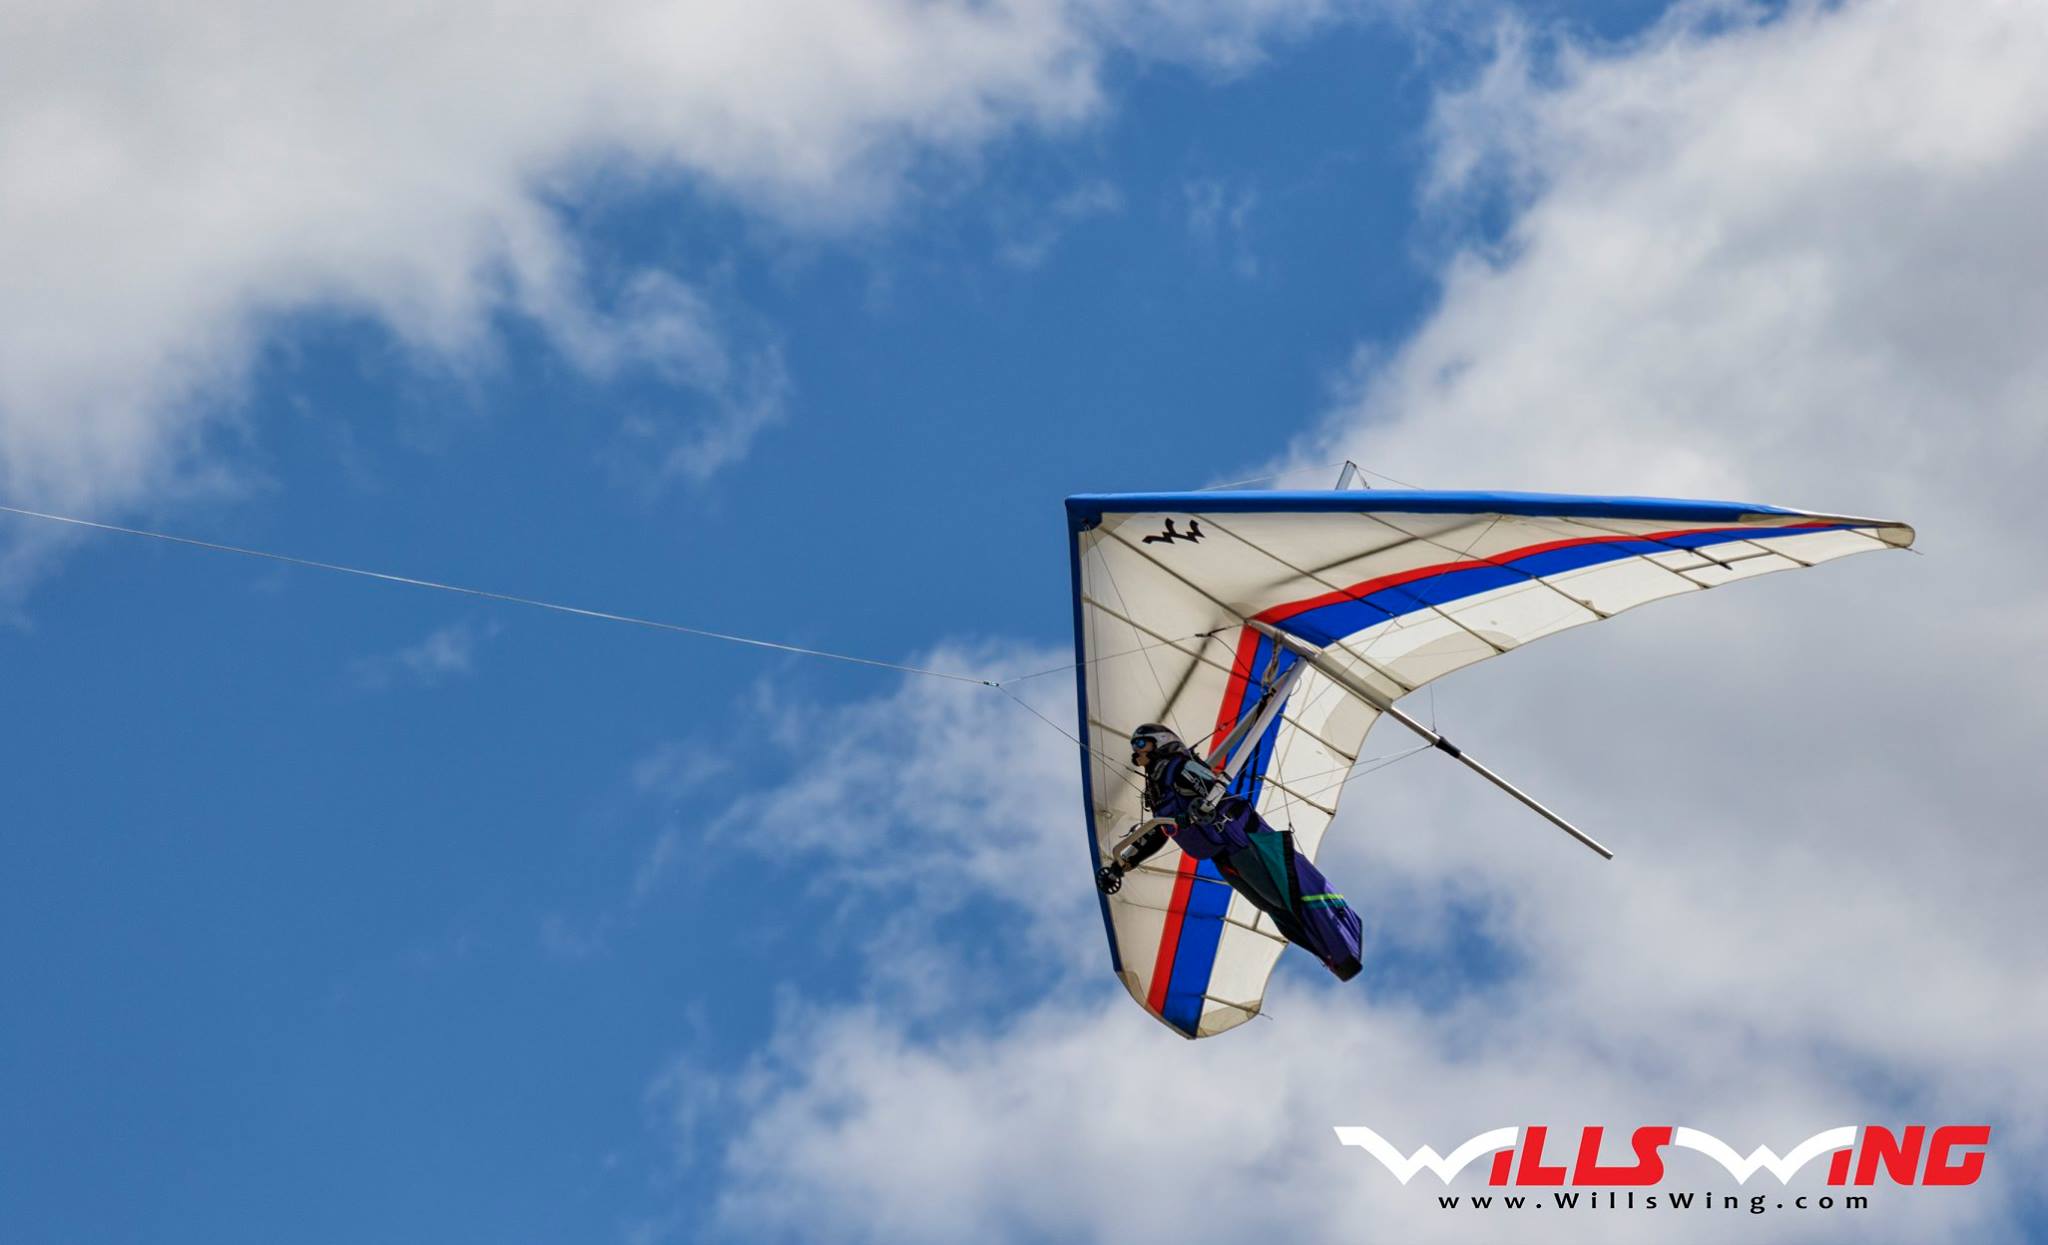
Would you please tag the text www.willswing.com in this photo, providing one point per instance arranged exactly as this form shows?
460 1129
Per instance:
1755 1203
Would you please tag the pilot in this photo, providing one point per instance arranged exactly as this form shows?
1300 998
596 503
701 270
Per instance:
1193 803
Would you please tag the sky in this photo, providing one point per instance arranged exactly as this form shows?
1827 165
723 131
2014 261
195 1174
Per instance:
335 910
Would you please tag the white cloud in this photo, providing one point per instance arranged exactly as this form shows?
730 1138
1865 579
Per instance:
671 782
1219 217
1029 237
941 799
446 653
1224 34
669 329
1708 979
677 769
171 179
1794 259
1073 1125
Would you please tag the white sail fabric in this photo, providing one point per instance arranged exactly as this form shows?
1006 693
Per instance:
1396 589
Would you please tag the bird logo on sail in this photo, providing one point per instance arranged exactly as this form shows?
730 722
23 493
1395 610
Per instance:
1193 535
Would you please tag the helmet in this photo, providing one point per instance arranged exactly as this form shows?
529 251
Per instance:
1160 737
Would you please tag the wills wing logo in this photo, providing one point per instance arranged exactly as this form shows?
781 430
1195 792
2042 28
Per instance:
1952 1153
1167 537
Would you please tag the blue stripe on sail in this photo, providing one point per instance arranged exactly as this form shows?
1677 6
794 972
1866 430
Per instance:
1327 624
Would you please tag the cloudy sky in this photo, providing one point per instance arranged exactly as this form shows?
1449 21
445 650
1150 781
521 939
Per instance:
336 911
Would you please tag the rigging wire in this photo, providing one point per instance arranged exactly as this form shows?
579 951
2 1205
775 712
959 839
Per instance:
1115 767
1274 475
999 685
1165 701
604 615
1363 470
1129 652
1335 462
488 595
657 624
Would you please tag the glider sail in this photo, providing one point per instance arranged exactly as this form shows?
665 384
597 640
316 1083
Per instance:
1187 606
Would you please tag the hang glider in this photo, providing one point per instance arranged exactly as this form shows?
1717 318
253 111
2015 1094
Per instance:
1271 629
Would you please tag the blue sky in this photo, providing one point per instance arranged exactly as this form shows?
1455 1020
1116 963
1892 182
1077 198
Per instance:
279 925
342 911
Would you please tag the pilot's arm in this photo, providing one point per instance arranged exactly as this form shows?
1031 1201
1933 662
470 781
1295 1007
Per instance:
1109 879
